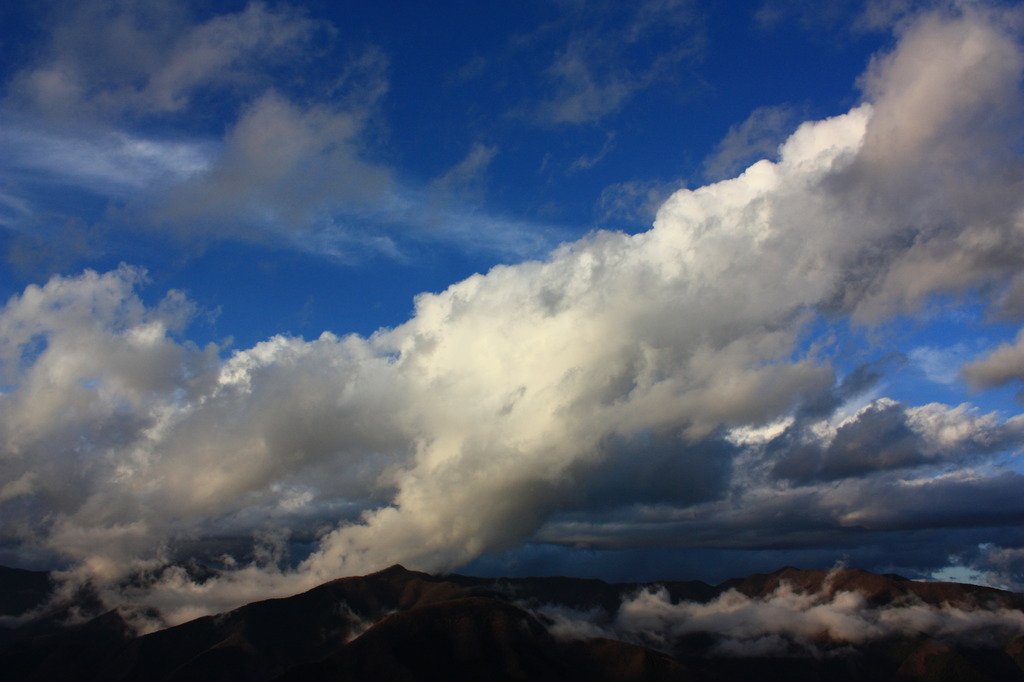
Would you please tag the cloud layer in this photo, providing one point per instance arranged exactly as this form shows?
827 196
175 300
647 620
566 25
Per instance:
656 388
787 622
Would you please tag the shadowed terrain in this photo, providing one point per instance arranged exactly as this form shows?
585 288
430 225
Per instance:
405 625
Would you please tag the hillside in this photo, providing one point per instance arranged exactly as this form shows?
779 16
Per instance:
405 625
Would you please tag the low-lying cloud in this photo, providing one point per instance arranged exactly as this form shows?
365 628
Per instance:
788 621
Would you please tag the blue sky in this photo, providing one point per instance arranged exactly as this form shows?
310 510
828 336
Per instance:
666 288
481 147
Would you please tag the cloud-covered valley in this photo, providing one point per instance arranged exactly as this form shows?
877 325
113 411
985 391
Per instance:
672 388
790 618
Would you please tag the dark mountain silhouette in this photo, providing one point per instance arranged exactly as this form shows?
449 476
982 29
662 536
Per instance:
879 589
405 625
21 590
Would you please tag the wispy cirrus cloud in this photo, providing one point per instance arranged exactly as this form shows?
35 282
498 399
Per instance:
756 138
102 109
111 162
602 61
125 58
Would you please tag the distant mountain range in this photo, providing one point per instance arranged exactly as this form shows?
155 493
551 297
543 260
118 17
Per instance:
395 625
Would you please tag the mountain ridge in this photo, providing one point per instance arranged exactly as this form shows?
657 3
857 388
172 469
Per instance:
398 624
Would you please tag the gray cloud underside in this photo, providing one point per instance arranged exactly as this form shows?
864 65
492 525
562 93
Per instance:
660 373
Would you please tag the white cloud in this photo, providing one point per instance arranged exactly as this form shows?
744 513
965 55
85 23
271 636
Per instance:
468 427
753 626
962 429
790 620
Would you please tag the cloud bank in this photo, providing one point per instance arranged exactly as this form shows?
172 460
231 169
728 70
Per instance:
788 622
656 388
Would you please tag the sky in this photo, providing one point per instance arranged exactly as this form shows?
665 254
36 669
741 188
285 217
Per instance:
664 289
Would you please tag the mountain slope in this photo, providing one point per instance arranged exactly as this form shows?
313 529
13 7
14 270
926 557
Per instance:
404 625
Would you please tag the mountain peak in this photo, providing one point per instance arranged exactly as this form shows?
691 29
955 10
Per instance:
394 569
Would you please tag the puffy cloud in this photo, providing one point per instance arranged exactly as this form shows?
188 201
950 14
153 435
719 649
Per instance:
947 116
886 435
609 375
806 483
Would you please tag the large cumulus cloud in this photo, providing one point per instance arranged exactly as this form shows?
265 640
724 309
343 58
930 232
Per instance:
629 389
